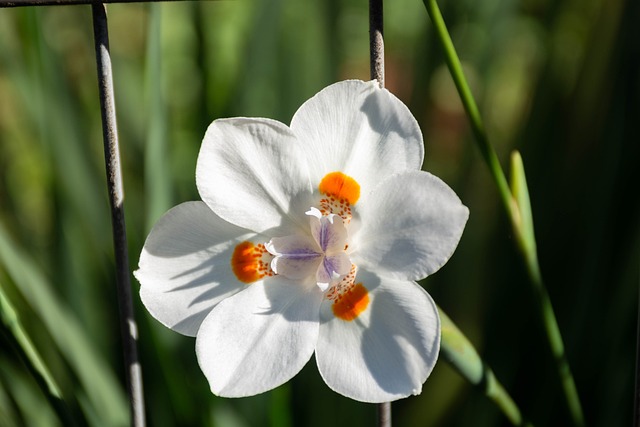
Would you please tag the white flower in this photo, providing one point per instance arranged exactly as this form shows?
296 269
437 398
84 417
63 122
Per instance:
309 239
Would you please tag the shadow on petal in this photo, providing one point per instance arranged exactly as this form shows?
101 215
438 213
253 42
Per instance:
289 293
386 117
394 347
192 321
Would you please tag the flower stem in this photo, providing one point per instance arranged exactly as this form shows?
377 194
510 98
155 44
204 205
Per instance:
518 210
462 356
469 103
525 238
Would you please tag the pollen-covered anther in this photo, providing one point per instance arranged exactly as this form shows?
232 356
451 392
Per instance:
343 286
340 207
350 299
251 262
352 303
340 193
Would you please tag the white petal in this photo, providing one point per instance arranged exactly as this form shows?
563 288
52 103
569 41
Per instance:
410 226
184 266
388 351
359 129
259 338
332 268
297 256
252 173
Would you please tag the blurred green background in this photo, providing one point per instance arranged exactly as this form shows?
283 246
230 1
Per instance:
559 81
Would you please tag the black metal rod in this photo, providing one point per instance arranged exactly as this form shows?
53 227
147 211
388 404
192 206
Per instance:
376 41
636 397
128 327
376 57
22 3
384 414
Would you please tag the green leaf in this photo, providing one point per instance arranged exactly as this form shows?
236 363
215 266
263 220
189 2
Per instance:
456 349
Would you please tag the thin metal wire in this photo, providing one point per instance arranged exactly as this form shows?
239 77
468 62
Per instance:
128 327
22 3
376 56
636 397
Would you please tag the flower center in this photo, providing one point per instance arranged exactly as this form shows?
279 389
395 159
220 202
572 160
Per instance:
321 253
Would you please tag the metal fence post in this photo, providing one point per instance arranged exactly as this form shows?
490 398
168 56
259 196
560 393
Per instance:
128 327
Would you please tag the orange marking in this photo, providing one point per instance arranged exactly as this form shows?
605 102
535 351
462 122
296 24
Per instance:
340 186
335 292
247 262
351 303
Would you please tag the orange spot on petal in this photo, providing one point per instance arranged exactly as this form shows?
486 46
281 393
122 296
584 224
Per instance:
350 304
247 263
341 186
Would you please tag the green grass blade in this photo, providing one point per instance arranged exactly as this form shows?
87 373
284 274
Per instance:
98 381
523 229
512 209
29 407
12 323
23 344
520 191
7 412
156 161
470 106
460 353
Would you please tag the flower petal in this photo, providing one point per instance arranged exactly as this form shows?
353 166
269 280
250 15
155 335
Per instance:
386 352
252 173
296 256
184 267
411 225
329 232
332 267
259 338
359 129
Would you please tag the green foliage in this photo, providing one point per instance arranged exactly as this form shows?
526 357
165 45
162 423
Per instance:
553 80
